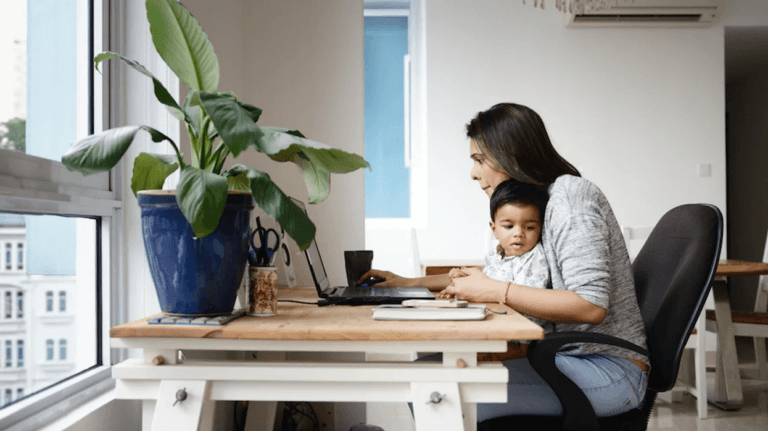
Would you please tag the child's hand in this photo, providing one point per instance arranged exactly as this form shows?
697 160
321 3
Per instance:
456 273
443 295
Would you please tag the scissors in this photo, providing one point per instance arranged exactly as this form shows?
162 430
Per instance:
261 254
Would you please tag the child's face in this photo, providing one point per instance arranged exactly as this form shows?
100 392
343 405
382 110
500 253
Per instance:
517 227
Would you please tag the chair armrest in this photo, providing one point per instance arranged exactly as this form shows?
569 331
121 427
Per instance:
578 413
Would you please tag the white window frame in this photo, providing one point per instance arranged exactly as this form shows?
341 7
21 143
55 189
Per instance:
34 185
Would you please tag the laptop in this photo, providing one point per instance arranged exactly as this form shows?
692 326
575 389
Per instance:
355 295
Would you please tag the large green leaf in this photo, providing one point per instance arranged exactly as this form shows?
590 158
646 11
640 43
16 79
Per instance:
102 151
183 45
317 161
161 92
151 170
234 122
277 205
201 196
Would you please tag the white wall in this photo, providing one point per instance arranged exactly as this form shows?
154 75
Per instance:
635 110
302 63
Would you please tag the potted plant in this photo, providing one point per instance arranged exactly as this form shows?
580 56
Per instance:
197 263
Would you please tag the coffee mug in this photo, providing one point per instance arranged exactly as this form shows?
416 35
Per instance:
357 263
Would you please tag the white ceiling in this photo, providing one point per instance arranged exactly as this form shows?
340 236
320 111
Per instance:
746 51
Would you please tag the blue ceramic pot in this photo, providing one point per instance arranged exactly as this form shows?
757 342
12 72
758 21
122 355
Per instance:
195 276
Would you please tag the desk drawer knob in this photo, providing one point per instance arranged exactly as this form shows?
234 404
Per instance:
181 395
158 360
435 398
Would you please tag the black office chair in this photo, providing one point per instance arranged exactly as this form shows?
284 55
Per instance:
673 276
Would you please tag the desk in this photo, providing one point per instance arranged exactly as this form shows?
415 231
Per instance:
307 328
728 393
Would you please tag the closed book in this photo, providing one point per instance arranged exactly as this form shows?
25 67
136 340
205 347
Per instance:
399 312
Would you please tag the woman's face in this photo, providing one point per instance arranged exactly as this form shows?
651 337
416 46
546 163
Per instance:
484 171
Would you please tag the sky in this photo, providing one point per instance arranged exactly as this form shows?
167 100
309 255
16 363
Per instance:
13 26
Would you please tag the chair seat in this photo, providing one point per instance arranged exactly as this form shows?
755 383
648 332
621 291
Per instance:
751 317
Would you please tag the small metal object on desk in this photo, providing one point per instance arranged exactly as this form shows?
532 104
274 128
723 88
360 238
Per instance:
435 398
181 395
498 312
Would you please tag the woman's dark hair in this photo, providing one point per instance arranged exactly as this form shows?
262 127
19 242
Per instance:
515 192
514 138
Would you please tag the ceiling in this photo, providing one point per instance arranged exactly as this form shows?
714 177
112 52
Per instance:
746 51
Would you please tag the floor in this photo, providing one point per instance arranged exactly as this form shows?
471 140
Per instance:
682 416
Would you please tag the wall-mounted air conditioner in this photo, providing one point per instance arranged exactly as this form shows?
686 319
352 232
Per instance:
648 13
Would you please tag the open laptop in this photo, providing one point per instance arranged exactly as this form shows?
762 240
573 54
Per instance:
355 295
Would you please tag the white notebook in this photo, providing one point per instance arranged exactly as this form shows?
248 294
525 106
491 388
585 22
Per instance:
399 312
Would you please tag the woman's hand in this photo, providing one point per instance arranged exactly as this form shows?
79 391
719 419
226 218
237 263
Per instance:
474 286
390 279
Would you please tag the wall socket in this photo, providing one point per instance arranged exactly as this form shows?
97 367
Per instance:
704 169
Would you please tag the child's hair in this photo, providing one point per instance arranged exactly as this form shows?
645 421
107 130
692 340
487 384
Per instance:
515 192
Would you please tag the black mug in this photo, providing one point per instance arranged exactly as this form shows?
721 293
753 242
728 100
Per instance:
357 262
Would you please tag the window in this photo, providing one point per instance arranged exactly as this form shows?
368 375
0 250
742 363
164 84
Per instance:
8 256
387 191
8 354
20 358
49 350
8 396
49 301
62 301
20 305
20 256
19 393
8 304
62 349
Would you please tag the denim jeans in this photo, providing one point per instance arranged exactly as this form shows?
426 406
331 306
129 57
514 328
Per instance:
612 384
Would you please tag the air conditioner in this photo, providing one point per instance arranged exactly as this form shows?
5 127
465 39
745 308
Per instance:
648 13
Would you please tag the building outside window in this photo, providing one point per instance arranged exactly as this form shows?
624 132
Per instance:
62 349
19 393
20 256
8 256
49 350
8 304
49 301
8 354
62 301
20 305
8 396
20 358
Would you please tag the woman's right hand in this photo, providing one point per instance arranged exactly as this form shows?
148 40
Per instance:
390 279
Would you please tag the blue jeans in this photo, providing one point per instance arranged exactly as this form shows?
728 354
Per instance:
612 384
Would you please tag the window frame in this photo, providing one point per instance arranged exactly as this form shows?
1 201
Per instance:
39 186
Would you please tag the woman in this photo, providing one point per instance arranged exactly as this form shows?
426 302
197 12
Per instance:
592 282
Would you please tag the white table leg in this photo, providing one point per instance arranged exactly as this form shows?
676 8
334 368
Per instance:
147 414
183 415
728 394
700 366
443 415
452 359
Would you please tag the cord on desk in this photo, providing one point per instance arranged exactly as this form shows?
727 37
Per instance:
299 302
292 409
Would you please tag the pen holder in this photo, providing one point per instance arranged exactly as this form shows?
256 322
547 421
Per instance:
262 291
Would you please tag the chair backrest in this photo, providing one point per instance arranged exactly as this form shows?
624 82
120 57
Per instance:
673 273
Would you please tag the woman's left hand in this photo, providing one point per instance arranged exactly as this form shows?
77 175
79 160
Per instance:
475 287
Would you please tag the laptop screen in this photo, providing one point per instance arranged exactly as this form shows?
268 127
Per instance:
313 258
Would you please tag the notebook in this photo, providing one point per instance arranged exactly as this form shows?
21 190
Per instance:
355 295
398 312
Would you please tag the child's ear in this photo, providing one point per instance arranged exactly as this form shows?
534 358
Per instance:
490 223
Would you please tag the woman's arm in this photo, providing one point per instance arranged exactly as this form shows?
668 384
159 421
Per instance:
432 282
559 306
